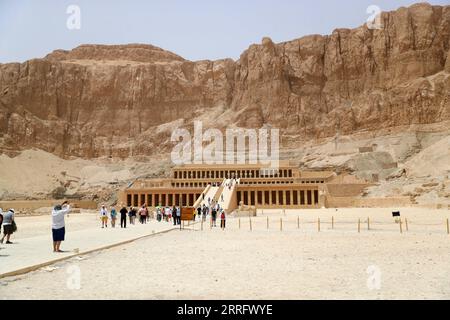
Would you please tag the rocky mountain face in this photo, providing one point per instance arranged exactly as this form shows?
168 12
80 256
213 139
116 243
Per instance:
123 100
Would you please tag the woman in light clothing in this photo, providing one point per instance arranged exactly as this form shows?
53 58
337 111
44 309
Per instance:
58 225
104 216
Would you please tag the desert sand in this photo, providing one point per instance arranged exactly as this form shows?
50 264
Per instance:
238 263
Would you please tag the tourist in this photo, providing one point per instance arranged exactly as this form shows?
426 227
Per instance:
222 220
113 214
158 214
167 214
169 217
146 213
204 211
9 226
199 212
123 217
58 225
174 215
1 219
178 215
142 215
221 197
213 217
130 215
133 215
104 216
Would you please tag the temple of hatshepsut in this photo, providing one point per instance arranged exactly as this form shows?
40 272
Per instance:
234 185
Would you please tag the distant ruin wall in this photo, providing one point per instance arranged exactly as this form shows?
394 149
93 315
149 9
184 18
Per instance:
345 190
346 202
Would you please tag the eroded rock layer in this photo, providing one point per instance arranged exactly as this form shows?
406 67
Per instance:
98 100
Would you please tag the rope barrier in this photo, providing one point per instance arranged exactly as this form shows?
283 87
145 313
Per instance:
335 224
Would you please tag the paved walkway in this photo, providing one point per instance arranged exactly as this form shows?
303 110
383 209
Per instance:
28 254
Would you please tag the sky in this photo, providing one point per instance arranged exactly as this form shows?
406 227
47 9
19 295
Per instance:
194 29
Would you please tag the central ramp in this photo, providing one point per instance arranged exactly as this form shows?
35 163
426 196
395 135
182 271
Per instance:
211 193
228 198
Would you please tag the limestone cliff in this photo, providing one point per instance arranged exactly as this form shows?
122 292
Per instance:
98 100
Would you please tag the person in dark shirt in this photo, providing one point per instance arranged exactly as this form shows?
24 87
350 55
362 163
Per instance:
132 215
199 212
213 216
123 217
205 211
174 215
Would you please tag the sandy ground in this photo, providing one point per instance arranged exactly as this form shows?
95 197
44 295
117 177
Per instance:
294 263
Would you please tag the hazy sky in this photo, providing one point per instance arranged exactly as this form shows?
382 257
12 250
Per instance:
195 29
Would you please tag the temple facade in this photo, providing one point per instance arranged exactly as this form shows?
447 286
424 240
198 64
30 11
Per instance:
231 186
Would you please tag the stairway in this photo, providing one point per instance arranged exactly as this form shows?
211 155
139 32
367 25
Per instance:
209 192
229 202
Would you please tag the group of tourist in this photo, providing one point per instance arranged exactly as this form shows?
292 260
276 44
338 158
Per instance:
167 214
214 208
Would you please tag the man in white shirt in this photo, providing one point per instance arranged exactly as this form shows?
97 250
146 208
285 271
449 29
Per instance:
58 225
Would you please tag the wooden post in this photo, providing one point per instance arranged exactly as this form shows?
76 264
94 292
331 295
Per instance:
201 219
298 222
359 225
448 227
281 224
250 224
318 224
368 223
332 222
406 224
239 223
401 229
267 223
